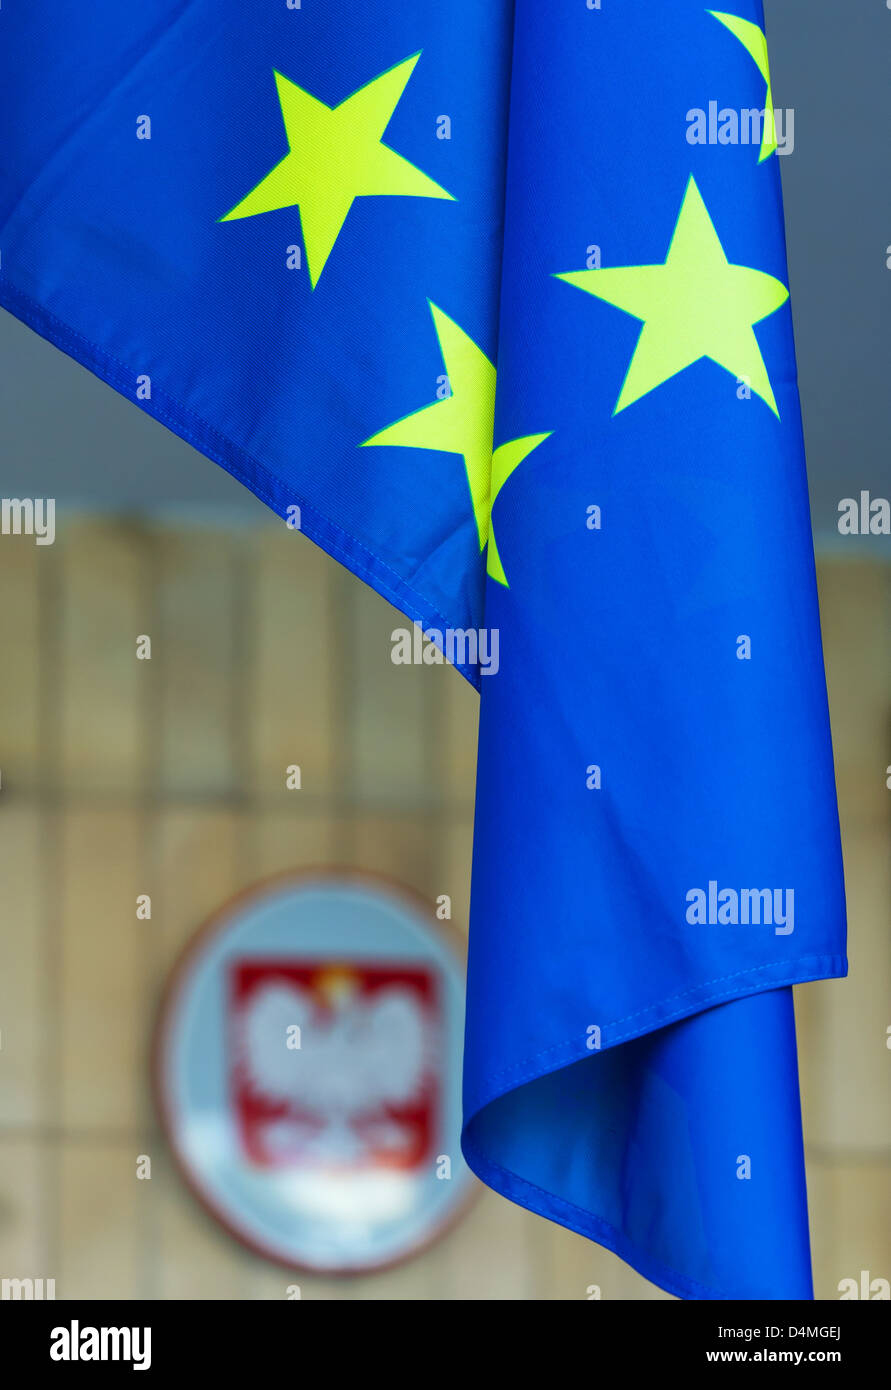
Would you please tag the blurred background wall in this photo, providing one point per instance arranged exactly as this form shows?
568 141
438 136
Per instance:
166 777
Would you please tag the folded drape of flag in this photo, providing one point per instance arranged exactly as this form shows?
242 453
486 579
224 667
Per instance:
487 297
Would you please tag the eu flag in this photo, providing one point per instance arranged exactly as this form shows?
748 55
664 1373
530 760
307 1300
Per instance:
492 300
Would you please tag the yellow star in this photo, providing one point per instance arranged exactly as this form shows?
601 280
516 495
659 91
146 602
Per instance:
336 155
754 41
463 424
695 305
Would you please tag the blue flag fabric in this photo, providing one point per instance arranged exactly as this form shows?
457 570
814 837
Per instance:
305 239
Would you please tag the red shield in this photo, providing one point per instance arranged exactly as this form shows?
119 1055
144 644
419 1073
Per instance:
333 1064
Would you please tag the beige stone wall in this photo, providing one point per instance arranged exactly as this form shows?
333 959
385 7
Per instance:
166 777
